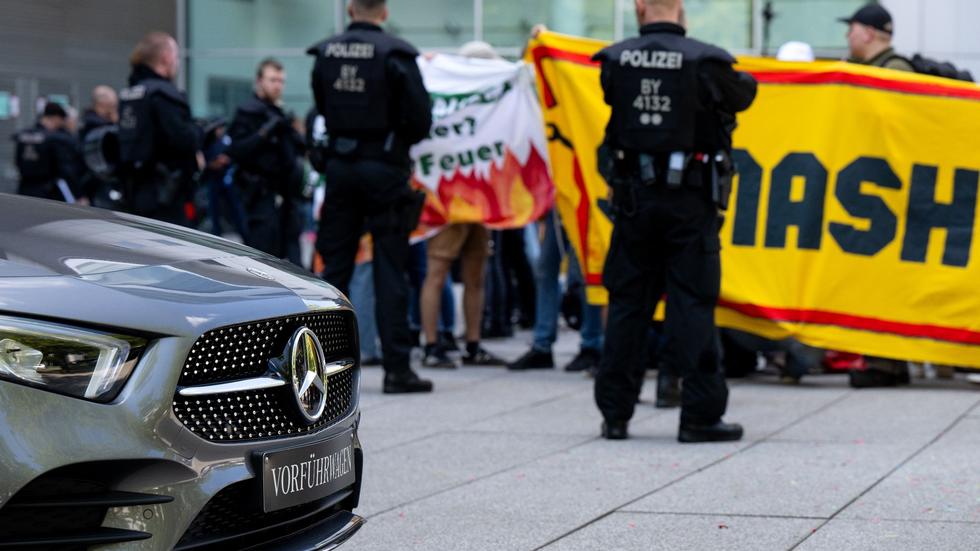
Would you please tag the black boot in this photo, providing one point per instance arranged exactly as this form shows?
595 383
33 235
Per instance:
586 360
615 430
534 359
668 389
718 432
405 383
877 378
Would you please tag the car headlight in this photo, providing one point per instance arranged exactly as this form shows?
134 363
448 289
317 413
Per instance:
68 360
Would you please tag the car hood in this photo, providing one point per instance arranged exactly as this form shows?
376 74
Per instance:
111 269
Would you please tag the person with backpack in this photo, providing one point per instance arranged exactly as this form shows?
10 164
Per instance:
869 37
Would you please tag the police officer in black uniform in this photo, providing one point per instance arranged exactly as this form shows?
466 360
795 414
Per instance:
673 102
267 149
47 154
98 129
159 144
369 90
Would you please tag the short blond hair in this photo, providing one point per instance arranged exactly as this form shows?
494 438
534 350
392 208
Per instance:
151 48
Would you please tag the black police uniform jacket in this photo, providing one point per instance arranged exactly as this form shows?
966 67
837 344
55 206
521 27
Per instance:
671 93
43 157
368 88
265 147
91 121
156 132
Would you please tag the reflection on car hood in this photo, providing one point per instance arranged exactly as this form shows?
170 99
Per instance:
123 271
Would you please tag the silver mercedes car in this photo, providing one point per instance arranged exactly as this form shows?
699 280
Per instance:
164 389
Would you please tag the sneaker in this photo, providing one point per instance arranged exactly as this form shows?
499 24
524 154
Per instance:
586 360
534 359
447 341
436 356
789 379
973 378
482 358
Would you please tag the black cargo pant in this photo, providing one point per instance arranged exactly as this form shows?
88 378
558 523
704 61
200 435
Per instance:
44 189
263 220
668 242
364 196
145 198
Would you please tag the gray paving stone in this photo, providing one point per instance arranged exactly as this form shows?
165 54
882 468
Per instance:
940 484
886 416
529 506
863 535
651 532
409 472
445 380
459 407
375 439
781 479
511 461
571 415
766 408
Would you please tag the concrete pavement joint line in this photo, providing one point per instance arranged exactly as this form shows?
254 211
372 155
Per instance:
789 425
727 515
482 419
912 521
904 462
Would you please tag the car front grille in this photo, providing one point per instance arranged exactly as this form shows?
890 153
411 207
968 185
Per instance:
243 351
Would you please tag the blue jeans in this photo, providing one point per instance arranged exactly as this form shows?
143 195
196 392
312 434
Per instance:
362 296
549 292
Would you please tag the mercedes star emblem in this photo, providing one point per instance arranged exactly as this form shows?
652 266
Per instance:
307 362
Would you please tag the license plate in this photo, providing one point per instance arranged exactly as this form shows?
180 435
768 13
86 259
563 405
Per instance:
307 473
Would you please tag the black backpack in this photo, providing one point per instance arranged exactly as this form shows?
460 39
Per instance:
936 68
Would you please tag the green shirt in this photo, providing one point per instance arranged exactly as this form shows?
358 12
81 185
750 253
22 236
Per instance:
889 60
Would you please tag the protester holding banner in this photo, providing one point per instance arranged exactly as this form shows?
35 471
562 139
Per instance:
469 243
668 141
548 297
869 38
484 165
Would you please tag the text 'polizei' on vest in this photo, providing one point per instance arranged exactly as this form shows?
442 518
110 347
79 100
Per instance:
651 59
349 50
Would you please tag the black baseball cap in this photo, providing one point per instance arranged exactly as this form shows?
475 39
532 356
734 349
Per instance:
874 16
52 109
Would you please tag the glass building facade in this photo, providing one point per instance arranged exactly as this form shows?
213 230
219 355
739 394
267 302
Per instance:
225 39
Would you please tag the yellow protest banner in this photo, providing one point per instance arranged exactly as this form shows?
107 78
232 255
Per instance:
854 215
575 117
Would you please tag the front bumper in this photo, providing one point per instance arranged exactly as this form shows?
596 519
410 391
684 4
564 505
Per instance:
131 475
327 534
